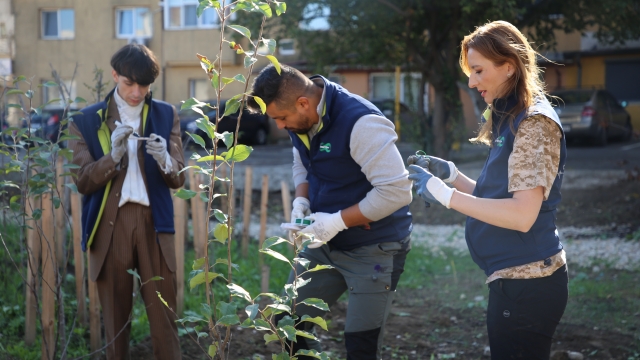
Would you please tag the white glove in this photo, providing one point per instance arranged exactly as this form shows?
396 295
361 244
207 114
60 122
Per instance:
430 188
157 147
300 209
119 138
325 227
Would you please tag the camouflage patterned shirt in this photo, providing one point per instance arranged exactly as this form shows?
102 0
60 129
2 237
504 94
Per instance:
534 162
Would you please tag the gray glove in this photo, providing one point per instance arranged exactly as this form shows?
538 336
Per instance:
157 147
443 169
119 138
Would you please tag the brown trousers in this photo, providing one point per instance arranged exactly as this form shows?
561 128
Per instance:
134 246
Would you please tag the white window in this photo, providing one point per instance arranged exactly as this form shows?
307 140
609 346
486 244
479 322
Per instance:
53 92
182 14
58 24
383 86
286 47
199 89
133 23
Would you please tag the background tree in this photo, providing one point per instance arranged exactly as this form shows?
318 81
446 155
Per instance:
424 36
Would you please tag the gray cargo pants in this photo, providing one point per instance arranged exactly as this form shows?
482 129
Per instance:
370 274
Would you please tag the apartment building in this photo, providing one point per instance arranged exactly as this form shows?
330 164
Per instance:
76 36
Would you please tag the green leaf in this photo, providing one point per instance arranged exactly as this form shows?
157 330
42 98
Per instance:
248 61
290 290
271 45
226 262
78 99
290 331
300 282
213 350
252 310
14 91
192 102
185 194
240 78
242 30
226 308
274 61
205 125
282 356
226 80
263 106
210 158
227 138
198 263
274 240
197 139
313 354
305 334
229 320
200 278
56 202
261 325
238 153
134 273
220 216
50 84
265 9
19 79
270 337
239 291
316 320
281 7
302 261
205 310
202 7
286 320
161 299
232 106
221 232
276 255
37 214
320 267
279 308
315 302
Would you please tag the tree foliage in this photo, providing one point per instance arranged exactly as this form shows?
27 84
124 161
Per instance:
424 36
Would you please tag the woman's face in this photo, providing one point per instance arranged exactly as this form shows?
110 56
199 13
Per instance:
486 77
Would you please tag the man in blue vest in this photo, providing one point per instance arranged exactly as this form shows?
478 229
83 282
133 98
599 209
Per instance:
350 179
127 212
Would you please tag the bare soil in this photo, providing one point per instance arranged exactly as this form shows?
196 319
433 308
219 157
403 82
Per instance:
420 325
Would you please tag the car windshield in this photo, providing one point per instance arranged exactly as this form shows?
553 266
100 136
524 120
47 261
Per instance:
574 97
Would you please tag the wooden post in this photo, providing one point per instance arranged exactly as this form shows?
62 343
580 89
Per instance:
78 257
95 331
263 231
59 213
196 214
286 200
33 250
246 215
48 279
180 216
223 186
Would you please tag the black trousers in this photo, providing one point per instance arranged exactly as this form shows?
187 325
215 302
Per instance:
523 314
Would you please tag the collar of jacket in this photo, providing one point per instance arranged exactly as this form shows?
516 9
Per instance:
104 109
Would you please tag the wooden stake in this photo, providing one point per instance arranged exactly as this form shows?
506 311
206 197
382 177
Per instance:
223 187
263 230
34 250
246 215
196 213
95 331
48 279
78 257
180 215
59 214
286 200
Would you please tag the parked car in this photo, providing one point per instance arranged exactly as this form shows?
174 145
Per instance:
45 126
254 128
592 114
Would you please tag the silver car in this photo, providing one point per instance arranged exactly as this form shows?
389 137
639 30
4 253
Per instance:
592 114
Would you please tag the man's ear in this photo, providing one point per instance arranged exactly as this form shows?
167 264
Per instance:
303 103
114 74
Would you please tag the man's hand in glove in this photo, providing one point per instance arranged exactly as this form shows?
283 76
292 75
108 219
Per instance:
429 187
300 209
325 227
157 147
443 169
119 138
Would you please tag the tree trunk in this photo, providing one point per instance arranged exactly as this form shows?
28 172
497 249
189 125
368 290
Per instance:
439 133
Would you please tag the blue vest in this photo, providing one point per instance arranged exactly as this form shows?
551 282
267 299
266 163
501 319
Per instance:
160 122
495 248
336 181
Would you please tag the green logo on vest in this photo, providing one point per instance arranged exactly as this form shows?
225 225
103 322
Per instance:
499 141
325 147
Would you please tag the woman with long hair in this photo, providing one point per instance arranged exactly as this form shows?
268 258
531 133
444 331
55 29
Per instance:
511 208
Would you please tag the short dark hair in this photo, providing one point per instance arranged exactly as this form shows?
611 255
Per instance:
283 88
137 63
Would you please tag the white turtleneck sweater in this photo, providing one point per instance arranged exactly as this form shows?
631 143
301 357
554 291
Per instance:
133 188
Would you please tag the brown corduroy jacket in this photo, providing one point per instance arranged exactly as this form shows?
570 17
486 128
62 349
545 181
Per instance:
94 174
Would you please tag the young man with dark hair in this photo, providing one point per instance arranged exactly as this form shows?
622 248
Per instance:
351 180
127 213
